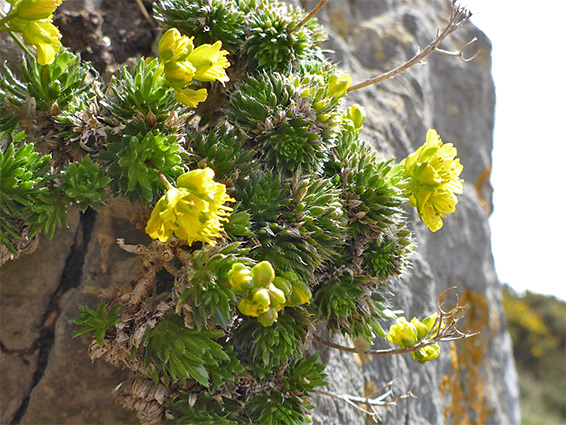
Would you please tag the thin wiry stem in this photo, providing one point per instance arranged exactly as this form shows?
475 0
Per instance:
309 16
443 330
458 16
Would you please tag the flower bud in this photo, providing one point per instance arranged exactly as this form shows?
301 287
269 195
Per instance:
268 318
263 274
255 303
301 293
426 354
240 278
179 74
283 285
338 85
277 297
37 9
357 114
421 328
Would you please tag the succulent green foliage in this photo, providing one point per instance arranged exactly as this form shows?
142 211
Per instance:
388 255
178 353
257 102
275 408
22 181
8 120
264 196
320 218
141 91
350 307
303 375
297 226
221 149
57 83
368 183
281 121
266 349
49 210
205 284
206 20
290 119
97 321
205 411
136 155
271 44
84 183
238 225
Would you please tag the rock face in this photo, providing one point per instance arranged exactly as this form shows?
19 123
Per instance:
48 378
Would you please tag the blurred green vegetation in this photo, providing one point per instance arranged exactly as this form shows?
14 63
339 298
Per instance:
537 324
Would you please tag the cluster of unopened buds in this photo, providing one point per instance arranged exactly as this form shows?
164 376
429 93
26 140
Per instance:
408 334
264 294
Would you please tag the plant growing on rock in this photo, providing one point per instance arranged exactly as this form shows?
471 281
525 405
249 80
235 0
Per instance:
269 214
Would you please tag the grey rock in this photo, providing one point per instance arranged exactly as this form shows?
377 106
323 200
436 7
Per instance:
74 390
27 286
17 370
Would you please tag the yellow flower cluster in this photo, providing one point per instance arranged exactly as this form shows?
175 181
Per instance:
265 294
193 210
34 20
182 63
407 334
433 180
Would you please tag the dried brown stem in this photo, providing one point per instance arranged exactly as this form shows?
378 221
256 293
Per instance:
145 13
458 16
309 16
369 405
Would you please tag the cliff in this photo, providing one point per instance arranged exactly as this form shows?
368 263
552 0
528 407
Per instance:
47 377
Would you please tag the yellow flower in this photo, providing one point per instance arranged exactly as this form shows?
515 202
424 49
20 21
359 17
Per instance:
36 9
191 97
403 333
433 180
45 37
210 62
174 47
193 211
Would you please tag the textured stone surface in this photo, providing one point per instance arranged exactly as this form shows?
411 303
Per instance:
28 285
16 371
74 390
473 381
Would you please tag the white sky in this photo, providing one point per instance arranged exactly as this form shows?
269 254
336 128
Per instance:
529 158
